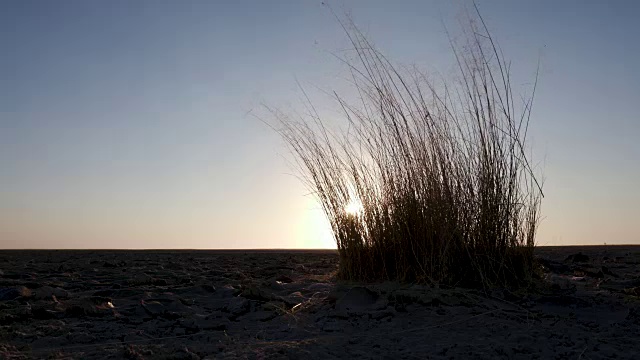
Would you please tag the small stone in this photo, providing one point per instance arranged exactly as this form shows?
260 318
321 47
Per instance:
226 291
154 308
357 299
381 314
141 279
301 268
237 306
320 287
284 279
278 306
579 257
14 293
159 282
177 307
88 307
595 274
277 285
560 282
48 292
635 291
606 271
255 293
186 354
295 298
45 314
208 288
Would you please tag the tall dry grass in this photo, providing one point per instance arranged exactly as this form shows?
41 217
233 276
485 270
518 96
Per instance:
445 190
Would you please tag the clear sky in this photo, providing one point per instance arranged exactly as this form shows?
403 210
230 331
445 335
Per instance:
127 124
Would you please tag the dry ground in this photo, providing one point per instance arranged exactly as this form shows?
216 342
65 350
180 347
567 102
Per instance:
287 304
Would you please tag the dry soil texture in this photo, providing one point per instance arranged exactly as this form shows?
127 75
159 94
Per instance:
287 304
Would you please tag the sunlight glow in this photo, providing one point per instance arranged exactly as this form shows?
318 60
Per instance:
353 208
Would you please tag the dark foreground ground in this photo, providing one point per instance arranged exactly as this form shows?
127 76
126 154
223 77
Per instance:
266 304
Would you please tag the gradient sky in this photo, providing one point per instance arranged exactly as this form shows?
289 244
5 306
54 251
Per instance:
128 124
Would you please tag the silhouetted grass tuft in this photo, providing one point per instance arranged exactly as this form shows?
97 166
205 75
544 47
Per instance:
436 180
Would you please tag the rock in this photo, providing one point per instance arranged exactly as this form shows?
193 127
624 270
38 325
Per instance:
295 297
255 293
159 282
184 354
141 279
47 292
277 286
208 288
261 315
177 309
277 306
65 268
381 314
606 271
14 293
595 274
416 296
227 291
237 306
579 257
357 299
300 267
319 288
154 308
1 273
634 315
284 279
561 283
215 304
45 314
554 267
635 291
91 306
288 301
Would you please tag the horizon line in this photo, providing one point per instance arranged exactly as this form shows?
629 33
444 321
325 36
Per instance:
255 249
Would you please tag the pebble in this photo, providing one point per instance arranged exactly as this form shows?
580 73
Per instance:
47 292
237 306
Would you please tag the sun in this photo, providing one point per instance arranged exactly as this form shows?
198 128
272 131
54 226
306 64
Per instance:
353 208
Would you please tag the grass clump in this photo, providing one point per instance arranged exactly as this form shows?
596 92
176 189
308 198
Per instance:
429 182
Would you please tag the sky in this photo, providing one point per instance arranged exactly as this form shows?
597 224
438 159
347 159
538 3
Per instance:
131 124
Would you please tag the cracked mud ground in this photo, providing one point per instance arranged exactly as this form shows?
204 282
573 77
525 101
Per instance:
288 305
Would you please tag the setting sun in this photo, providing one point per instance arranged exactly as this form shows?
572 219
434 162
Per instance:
354 208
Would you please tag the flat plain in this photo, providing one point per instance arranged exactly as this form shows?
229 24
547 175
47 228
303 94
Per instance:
287 304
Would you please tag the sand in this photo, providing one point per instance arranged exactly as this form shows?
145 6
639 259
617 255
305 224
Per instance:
287 305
